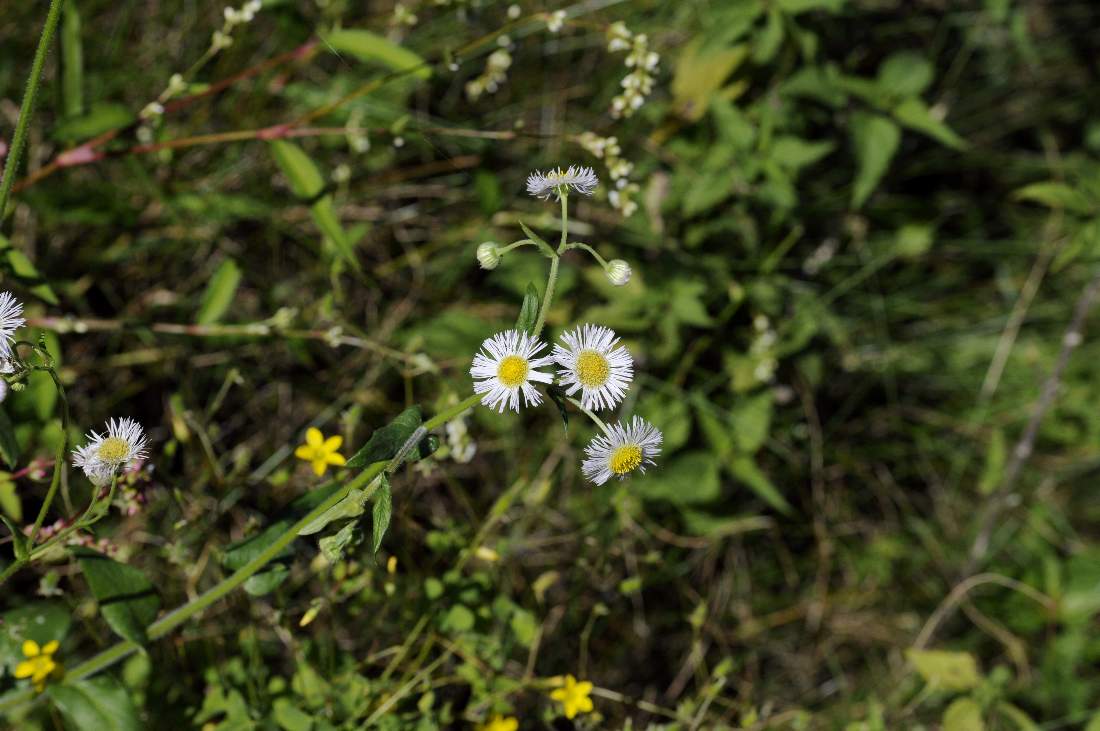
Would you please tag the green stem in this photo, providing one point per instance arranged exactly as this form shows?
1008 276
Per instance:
590 250
59 459
181 614
26 111
552 280
592 416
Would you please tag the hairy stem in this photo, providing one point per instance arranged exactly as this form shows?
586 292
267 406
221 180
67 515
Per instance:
26 111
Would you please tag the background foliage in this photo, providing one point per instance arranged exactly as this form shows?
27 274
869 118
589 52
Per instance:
862 229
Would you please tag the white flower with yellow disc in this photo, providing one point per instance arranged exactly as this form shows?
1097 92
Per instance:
621 451
507 367
123 444
591 362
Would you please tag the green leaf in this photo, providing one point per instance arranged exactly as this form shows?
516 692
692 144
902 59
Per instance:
769 39
18 540
335 546
95 704
383 510
72 61
795 153
529 310
946 670
689 479
964 714
524 626
915 114
751 421
24 270
539 241
557 397
351 506
219 293
1016 716
875 139
266 581
41 621
386 441
458 619
700 72
289 717
1085 240
241 553
370 47
126 598
905 74
324 215
1055 195
744 470
99 119
302 174
9 446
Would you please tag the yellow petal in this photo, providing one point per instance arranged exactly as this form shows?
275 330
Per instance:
314 437
570 710
304 452
509 724
30 648
584 705
319 467
24 669
335 458
583 688
559 695
333 443
51 647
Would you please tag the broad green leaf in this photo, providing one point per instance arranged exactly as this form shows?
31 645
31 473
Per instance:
303 175
699 74
289 717
794 153
238 555
529 310
1021 720
335 546
383 511
964 714
905 74
367 46
946 670
126 598
751 421
385 442
352 506
95 704
743 468
268 580
688 479
99 119
524 626
875 139
915 114
767 41
458 619
39 621
1056 195
72 61
219 293
9 446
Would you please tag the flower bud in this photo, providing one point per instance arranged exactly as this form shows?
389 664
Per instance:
488 255
618 271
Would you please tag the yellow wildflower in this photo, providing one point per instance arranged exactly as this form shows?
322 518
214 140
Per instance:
499 723
39 665
574 696
320 452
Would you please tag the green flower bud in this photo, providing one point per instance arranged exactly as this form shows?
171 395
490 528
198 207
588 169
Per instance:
488 255
618 271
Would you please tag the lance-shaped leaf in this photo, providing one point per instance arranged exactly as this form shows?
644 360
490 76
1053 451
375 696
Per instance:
383 510
126 598
95 704
529 310
385 442
241 553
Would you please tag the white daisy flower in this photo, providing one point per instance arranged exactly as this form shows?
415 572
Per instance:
104 455
11 311
621 451
507 367
591 363
557 182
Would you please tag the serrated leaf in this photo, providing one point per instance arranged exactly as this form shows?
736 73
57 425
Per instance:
126 598
370 47
302 174
219 293
529 310
386 441
946 670
875 140
95 704
383 511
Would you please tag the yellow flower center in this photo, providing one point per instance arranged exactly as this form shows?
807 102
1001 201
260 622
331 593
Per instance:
113 449
625 459
512 371
592 369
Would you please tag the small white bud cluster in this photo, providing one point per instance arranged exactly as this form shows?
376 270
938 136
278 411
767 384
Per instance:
762 349
555 21
152 109
607 149
496 71
514 11
223 38
403 15
638 84
462 445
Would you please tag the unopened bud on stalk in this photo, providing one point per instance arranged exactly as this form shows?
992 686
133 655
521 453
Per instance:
488 255
618 272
